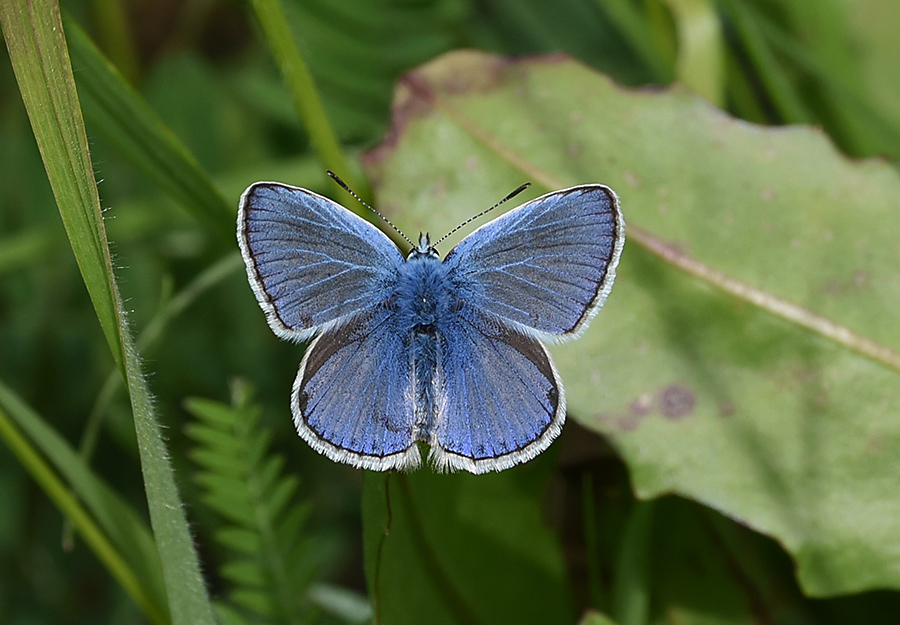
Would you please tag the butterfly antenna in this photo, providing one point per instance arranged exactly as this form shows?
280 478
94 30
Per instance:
344 186
483 213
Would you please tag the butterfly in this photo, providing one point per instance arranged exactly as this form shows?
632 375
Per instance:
417 349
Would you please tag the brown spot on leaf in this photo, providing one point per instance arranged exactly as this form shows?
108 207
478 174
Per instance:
631 179
857 282
642 406
676 401
726 409
874 445
860 279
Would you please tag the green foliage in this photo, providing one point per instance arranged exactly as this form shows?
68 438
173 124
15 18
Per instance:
463 548
746 360
267 557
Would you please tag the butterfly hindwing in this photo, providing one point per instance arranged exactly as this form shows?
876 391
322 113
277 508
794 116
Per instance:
311 261
547 265
501 400
352 399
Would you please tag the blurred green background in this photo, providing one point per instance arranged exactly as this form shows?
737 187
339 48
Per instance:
203 76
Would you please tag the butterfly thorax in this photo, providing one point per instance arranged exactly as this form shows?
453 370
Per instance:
424 297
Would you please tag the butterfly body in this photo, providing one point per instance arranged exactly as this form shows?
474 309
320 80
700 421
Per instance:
423 309
419 349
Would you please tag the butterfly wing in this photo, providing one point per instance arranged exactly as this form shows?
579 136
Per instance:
547 265
311 261
501 401
352 398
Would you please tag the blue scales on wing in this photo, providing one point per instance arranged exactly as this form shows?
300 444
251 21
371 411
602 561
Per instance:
546 266
502 402
352 398
311 261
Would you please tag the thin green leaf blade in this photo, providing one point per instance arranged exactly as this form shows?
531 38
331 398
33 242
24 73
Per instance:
119 520
700 62
108 525
35 39
296 74
33 33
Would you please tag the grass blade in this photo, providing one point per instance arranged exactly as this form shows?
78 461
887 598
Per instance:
778 85
111 528
303 89
700 47
631 587
37 48
33 33
634 26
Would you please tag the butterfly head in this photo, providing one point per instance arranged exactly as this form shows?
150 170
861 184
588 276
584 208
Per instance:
424 249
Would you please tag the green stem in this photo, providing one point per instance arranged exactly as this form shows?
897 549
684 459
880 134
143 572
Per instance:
303 89
631 585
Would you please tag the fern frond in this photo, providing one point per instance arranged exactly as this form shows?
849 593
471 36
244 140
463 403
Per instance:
269 565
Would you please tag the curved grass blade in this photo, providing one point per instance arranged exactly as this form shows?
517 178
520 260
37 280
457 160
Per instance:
700 62
34 34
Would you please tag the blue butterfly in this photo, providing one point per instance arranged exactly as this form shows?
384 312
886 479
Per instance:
416 349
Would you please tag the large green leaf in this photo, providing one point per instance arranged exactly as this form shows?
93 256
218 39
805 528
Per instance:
747 356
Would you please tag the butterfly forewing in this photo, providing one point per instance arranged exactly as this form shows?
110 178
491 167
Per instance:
547 265
311 261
